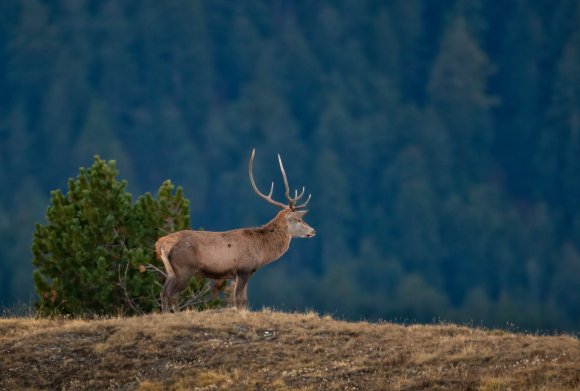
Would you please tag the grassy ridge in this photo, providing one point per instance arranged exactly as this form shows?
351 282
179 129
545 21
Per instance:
230 349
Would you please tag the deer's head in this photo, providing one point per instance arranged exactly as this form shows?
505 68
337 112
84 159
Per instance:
296 226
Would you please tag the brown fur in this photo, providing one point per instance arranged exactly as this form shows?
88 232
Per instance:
226 255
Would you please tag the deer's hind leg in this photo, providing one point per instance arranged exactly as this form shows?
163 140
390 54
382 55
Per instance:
165 293
168 300
175 282
178 287
173 286
170 281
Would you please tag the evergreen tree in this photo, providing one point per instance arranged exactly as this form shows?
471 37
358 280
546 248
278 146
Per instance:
520 79
93 255
22 219
558 162
97 135
6 238
458 94
407 21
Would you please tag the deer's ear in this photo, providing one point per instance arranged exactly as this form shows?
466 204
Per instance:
298 214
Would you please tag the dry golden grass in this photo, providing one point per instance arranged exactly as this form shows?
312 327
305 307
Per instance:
239 350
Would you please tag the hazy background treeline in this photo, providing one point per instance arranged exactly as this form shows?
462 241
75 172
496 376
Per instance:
440 140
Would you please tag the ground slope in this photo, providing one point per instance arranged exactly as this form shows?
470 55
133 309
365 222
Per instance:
230 349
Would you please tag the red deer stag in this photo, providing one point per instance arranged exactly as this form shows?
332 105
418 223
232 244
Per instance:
231 254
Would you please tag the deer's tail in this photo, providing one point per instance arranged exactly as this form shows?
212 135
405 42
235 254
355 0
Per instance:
161 254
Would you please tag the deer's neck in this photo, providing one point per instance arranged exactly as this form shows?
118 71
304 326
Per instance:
274 239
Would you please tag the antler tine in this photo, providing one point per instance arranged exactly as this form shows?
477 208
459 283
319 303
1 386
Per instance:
285 179
297 196
271 190
258 192
304 204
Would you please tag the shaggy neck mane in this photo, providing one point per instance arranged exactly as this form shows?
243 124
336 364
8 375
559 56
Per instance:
274 237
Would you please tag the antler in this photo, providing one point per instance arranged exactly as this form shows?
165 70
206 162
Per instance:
291 200
297 196
258 192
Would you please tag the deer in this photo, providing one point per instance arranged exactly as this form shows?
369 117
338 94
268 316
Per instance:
231 255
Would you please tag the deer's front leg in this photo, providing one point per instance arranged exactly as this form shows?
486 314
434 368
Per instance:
241 292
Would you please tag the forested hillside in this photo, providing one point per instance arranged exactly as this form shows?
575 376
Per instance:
440 140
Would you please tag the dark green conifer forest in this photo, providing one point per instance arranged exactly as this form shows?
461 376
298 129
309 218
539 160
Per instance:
440 141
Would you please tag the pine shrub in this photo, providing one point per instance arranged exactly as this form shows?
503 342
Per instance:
95 254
